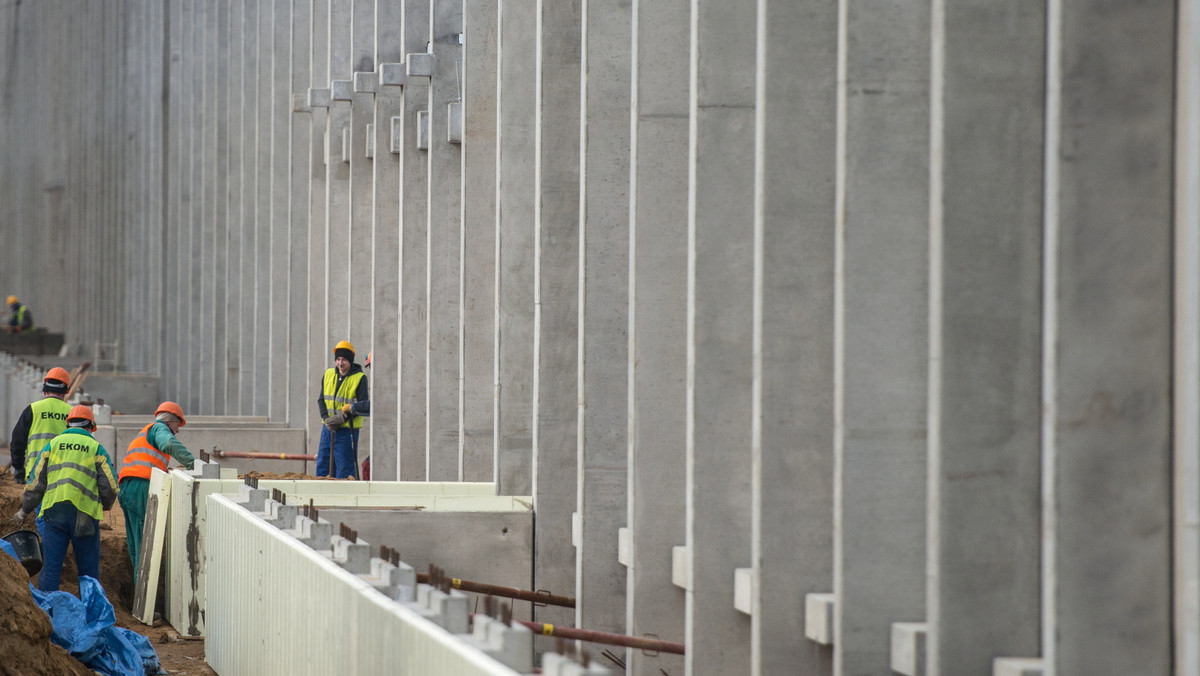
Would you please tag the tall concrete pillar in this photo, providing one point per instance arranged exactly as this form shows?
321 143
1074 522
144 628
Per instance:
240 304
882 366
985 335
319 347
414 196
256 344
359 245
556 298
174 161
272 393
338 245
212 377
385 283
603 399
658 292
1186 413
478 310
792 419
300 387
1107 370
515 189
445 241
719 345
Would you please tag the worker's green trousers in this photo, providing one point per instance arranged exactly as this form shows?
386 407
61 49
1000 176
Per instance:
133 496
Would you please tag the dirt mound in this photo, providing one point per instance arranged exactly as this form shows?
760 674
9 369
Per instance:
25 630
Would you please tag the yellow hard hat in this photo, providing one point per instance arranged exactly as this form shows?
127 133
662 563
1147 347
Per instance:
11 300
344 345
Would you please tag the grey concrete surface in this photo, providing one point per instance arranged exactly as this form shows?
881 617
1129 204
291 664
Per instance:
985 455
603 322
477 433
793 422
883 225
657 366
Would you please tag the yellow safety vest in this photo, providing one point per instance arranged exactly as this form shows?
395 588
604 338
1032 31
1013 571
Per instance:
336 397
73 461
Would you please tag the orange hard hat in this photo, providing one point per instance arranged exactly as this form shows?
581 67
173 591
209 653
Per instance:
344 345
11 300
58 373
81 412
172 408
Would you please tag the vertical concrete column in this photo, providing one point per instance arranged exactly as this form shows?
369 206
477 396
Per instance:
174 158
1186 418
985 334
603 399
257 343
515 189
338 150
300 376
245 305
1107 378
239 197
792 423
882 366
271 395
211 377
658 292
385 282
556 297
414 239
188 237
444 286
720 295
319 347
359 245
477 303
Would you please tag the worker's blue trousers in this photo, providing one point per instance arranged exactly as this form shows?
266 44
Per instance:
345 453
59 533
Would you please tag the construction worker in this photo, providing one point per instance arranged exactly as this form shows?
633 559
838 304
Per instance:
40 422
20 319
73 483
153 447
342 386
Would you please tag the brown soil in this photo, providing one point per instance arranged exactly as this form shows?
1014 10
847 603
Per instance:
25 645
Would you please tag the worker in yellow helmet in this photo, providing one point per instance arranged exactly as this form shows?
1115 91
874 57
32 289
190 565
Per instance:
73 483
20 319
342 386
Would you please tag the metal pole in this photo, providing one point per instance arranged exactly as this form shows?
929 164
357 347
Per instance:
263 456
604 637
542 597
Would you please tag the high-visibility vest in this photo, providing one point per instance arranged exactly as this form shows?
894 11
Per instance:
71 474
141 457
21 313
49 421
335 397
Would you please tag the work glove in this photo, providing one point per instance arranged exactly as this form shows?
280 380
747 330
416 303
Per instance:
346 411
335 421
19 517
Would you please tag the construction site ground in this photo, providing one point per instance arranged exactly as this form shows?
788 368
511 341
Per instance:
25 629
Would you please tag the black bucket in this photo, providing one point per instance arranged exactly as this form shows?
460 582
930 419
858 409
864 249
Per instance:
29 549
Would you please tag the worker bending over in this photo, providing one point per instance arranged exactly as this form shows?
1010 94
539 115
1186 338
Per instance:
73 482
153 447
342 386
20 319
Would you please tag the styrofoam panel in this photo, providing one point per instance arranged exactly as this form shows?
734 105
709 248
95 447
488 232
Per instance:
281 608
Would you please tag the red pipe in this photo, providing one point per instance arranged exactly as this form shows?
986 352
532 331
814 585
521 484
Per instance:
604 637
263 456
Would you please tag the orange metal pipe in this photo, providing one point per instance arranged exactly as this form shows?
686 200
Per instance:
604 637
507 592
263 456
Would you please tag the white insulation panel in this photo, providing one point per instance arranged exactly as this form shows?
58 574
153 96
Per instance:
275 606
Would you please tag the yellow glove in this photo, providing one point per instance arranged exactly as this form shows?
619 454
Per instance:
346 409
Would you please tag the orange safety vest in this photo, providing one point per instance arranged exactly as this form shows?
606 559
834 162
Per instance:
141 457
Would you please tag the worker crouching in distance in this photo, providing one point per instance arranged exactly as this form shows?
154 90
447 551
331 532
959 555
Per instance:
20 319
342 387
152 448
74 484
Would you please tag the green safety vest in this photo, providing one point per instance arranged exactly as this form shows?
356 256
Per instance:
336 397
21 320
49 421
71 474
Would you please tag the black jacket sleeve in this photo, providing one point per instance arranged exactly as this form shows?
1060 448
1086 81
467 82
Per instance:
18 442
